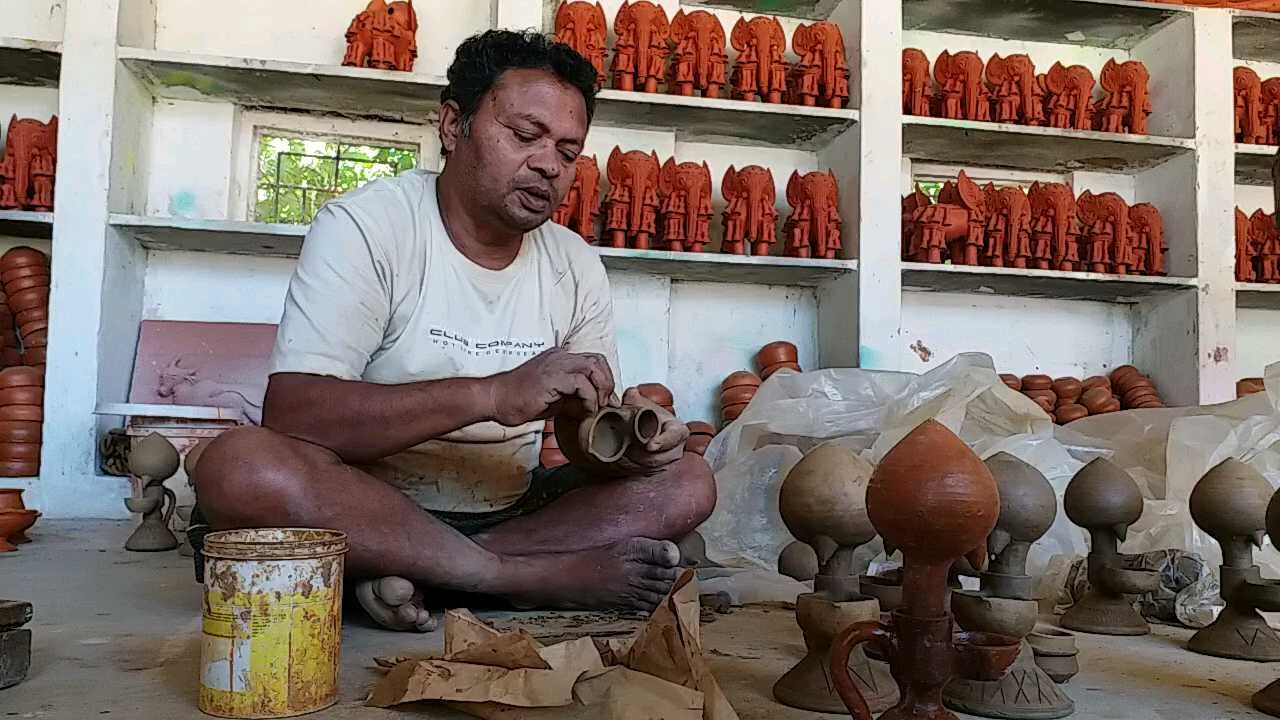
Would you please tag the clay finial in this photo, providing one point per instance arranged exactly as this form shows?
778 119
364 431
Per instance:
1230 503
1028 506
823 502
699 59
1019 98
964 91
750 215
1070 96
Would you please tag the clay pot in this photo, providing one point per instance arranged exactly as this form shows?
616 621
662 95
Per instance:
731 412
13 287
1110 406
1095 381
35 357
780 351
22 396
1070 413
1046 394
27 316
22 256
19 468
770 370
798 561
741 378
697 427
30 299
10 356
1123 372
1005 616
657 393
697 444
1150 404
11 499
1013 381
1095 398
1049 641
1138 396
19 431
823 498
737 395
34 326
19 451
21 376
1045 404
1036 382
18 273
1248 386
1068 389
14 523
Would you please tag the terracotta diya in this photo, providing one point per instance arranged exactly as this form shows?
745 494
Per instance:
777 352
933 499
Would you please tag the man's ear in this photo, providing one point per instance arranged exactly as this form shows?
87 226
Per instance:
450 125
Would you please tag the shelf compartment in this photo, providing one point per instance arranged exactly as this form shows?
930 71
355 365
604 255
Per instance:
1025 282
1264 296
33 63
26 224
1118 24
1253 163
1023 147
1254 35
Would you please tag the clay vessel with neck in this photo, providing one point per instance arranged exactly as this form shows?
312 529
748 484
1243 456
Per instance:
1104 500
1229 503
932 498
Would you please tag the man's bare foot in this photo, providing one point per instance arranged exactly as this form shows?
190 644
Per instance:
634 574
394 604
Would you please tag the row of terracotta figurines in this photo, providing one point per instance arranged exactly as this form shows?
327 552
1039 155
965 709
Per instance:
1257 109
1048 228
28 164
1008 89
668 206
1257 247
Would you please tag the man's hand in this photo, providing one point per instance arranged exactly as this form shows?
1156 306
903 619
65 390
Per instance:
666 447
556 382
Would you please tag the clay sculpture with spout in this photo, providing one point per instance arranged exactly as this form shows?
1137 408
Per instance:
1229 503
152 461
932 498
1104 500
823 503
1005 604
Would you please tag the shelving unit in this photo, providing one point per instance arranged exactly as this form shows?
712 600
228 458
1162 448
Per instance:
1253 35
26 224
1253 163
1259 296
1033 283
34 63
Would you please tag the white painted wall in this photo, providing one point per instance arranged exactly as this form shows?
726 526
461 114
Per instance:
25 102
191 159
33 19
1257 340
1253 197
215 288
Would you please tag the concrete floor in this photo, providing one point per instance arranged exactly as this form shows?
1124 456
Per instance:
117 634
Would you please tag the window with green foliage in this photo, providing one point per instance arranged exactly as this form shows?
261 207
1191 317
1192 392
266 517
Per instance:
298 174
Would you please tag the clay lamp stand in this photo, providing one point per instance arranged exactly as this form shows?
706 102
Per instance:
152 461
1104 500
1005 602
823 504
932 498
1228 503
1268 699
595 443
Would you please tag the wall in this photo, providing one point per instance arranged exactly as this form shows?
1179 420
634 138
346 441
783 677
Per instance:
33 19
1257 340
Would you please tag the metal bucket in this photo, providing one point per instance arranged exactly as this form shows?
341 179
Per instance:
272 622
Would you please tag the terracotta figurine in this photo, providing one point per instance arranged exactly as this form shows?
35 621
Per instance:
582 26
581 205
917 83
1147 231
684 191
1105 222
964 92
1008 228
822 75
1127 104
640 51
631 207
384 36
750 215
759 70
698 60
1054 230
1246 251
913 205
27 168
1266 240
1070 91
1019 98
1248 93
968 241
1270 111
813 228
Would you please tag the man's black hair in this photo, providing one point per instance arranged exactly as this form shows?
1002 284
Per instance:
481 60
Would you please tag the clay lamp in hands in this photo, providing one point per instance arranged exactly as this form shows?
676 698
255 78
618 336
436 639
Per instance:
1268 699
595 443
1005 603
1104 500
1229 503
932 498
823 504
14 524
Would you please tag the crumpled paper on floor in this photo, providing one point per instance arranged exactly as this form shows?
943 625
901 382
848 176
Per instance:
657 674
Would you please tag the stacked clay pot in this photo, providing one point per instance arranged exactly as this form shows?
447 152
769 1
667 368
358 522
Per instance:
735 394
1068 399
700 435
551 457
779 355
658 394
21 419
1249 386
24 272
1135 390
10 348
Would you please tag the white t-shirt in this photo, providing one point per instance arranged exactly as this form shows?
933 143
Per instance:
381 294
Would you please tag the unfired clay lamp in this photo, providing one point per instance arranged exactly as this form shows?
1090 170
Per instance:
596 442
1005 603
152 461
932 498
1229 503
1268 699
1104 500
823 503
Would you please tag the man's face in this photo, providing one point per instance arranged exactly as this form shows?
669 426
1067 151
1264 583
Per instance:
519 158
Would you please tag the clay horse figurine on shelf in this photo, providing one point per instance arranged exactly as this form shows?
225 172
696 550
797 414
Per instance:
917 83
821 77
684 191
698 60
631 207
1104 500
640 51
581 205
934 500
27 165
582 26
813 228
1230 504
750 216
823 504
759 71
152 461
384 36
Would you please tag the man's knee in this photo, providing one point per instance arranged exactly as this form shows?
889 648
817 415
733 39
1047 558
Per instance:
249 476
697 487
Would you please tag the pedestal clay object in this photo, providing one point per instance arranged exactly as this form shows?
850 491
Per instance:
1055 652
821 77
1268 699
1229 503
1104 500
759 71
698 61
640 51
582 26
631 207
1018 97
750 216
934 500
581 206
1270 111
383 36
823 503
598 441
1008 228
152 461
798 561
963 90
684 195
813 228
1127 103
917 83
1004 604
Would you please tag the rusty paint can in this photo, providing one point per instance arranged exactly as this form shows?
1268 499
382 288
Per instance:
272 626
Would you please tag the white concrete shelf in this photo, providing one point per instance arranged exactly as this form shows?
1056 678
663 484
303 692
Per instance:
1264 296
36 63
233 237
1023 282
26 224
1256 35
1253 162
802 9
1023 147
1119 24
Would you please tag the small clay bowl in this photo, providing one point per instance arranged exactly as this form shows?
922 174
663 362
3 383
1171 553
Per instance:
22 396
1090 383
13 287
1036 382
1094 398
27 316
22 256
697 444
19 451
1150 404
1110 406
731 412
1247 387
30 299
23 272
20 431
35 357
1123 372
697 427
1036 395
777 352
1069 413
741 378
657 393
37 339
29 413
1059 669
736 395
769 371
985 656
1137 396
1067 388
19 468
1045 404
21 376
11 499
1013 381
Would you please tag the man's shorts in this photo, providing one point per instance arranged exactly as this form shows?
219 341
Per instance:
545 486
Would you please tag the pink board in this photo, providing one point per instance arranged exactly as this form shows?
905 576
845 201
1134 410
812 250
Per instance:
203 363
